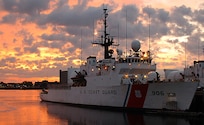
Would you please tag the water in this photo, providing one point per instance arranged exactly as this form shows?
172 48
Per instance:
23 107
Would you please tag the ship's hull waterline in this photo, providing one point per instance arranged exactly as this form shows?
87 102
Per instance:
172 96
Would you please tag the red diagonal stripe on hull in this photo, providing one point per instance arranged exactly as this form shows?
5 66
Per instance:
137 96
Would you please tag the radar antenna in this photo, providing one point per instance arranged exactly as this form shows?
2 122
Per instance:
106 39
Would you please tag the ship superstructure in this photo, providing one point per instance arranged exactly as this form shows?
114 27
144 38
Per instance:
123 82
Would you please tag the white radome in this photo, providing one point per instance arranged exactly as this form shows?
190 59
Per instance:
135 45
119 52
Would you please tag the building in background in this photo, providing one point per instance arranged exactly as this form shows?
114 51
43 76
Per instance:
63 77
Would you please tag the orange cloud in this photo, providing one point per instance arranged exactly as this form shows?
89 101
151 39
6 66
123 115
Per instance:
23 49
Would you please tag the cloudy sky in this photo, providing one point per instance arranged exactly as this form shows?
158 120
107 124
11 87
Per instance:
40 37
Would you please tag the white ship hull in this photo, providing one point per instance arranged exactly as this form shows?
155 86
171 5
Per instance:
173 96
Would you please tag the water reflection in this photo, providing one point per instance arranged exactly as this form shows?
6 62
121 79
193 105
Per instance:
85 116
23 107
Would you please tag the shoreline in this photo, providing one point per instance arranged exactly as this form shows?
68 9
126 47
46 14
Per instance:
21 88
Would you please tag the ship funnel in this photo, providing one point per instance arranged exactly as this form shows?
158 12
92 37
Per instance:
135 45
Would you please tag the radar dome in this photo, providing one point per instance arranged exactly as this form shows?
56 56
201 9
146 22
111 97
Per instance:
119 52
135 45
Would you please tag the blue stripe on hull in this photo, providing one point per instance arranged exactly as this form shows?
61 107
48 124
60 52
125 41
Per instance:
126 97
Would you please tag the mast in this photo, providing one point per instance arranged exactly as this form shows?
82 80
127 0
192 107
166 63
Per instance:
106 43
106 40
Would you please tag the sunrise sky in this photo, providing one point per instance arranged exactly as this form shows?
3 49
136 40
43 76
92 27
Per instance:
40 37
